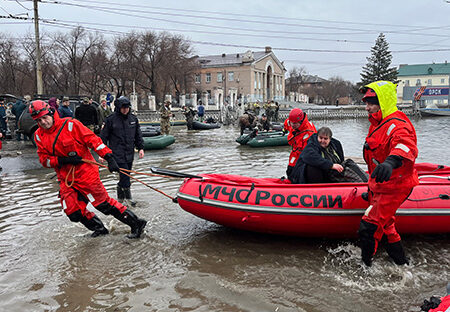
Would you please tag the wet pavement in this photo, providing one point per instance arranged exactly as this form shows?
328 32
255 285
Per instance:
184 263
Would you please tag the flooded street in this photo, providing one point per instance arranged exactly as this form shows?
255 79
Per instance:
184 263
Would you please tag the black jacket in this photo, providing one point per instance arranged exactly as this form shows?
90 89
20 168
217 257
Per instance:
313 155
122 133
87 114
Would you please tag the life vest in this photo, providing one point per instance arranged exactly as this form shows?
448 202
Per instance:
298 138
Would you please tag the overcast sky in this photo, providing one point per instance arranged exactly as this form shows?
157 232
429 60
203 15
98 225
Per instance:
328 38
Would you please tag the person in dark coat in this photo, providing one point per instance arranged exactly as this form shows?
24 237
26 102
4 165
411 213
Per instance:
122 133
64 109
189 113
87 114
17 110
321 154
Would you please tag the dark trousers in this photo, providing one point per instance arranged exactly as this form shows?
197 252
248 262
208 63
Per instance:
124 181
315 175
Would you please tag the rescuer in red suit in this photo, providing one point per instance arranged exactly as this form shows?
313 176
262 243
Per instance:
62 144
300 129
390 152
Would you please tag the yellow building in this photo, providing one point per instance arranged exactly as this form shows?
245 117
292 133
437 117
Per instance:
248 77
435 79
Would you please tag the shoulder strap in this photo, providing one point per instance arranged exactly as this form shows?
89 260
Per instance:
383 123
57 135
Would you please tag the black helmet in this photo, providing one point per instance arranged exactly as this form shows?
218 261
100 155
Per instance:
122 101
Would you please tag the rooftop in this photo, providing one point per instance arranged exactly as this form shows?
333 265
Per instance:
424 69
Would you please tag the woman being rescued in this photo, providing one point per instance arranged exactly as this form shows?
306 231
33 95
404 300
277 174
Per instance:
322 161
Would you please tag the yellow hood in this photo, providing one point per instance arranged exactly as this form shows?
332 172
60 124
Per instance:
387 96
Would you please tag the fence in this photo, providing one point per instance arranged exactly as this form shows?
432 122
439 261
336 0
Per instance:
347 112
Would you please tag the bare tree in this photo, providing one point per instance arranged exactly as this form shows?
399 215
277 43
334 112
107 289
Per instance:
334 88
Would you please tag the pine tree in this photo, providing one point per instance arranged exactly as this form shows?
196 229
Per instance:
377 67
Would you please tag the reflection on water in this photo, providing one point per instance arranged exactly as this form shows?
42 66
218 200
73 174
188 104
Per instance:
184 263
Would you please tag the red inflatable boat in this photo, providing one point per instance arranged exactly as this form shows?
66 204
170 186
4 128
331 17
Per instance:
320 210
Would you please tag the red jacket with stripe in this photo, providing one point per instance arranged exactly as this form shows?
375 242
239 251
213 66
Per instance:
65 136
392 135
298 138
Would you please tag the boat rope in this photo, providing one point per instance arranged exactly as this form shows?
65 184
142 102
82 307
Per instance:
127 173
435 177
441 196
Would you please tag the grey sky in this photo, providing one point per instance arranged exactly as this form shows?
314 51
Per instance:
298 31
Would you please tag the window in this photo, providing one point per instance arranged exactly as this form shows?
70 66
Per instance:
231 76
256 80
418 83
198 78
406 82
219 77
208 77
429 82
442 80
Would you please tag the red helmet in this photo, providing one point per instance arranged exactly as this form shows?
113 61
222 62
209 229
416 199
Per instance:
296 115
38 109
369 93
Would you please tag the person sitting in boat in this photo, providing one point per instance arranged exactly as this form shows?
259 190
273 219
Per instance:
322 154
322 161
264 124
299 129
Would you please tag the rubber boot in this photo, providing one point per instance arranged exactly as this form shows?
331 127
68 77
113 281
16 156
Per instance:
127 193
397 253
367 241
120 194
136 224
96 225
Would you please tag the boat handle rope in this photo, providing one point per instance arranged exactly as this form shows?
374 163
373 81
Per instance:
436 177
441 196
127 173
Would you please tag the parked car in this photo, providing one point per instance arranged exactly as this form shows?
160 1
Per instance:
28 125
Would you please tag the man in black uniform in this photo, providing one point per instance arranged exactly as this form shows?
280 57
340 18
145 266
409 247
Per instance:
122 133
87 114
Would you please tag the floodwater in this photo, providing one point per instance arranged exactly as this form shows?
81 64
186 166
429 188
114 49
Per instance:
184 263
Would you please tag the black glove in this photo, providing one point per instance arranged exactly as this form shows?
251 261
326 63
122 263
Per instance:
112 164
72 159
383 171
284 132
432 304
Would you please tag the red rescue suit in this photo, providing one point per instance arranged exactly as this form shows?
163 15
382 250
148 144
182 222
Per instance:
444 306
83 180
390 133
298 138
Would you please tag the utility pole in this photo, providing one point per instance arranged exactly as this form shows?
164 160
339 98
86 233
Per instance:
40 88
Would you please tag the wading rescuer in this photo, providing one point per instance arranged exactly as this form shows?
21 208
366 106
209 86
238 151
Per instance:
300 129
390 152
62 145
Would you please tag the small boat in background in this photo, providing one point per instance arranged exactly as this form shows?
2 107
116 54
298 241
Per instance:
434 111
158 141
263 139
197 125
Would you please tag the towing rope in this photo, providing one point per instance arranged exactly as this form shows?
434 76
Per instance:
122 171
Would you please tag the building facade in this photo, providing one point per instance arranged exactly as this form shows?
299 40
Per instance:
434 78
246 77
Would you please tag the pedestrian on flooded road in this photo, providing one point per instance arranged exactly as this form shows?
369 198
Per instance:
122 133
62 144
166 113
390 152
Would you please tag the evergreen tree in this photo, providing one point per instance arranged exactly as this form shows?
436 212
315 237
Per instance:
377 67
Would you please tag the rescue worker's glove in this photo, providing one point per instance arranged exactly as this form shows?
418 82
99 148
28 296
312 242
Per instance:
284 132
71 159
383 171
112 164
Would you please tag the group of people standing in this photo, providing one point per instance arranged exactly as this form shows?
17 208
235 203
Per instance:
390 150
